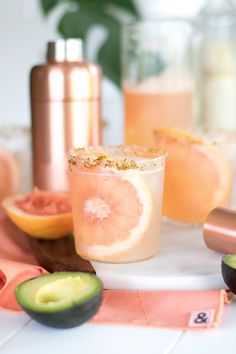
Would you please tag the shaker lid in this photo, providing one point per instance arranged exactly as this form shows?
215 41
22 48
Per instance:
66 76
65 50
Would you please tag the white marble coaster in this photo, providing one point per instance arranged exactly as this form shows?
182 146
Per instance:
183 263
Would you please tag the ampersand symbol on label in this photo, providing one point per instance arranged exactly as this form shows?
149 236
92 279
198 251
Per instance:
201 318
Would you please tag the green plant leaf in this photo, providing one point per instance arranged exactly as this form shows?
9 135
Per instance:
127 5
77 23
109 55
149 64
48 5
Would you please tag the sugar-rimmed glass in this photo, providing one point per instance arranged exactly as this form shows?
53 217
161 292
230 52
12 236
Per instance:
16 140
116 201
219 152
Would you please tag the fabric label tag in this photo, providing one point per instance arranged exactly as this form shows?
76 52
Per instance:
202 318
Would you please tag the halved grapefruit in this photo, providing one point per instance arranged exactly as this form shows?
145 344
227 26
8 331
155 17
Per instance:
113 213
41 214
198 177
9 174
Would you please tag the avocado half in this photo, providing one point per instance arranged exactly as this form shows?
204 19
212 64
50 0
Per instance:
61 300
228 268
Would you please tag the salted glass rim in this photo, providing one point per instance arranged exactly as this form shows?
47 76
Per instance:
13 130
130 158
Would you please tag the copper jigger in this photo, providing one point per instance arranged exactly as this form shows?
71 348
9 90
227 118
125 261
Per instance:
219 230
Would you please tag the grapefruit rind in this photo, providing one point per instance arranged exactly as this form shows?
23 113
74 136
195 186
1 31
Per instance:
179 134
41 227
98 251
192 205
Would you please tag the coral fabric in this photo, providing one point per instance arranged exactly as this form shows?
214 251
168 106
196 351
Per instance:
11 274
168 309
17 263
171 309
14 244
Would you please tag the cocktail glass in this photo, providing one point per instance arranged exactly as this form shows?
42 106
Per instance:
16 140
199 172
116 196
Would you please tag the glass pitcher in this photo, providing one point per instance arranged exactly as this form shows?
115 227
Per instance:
218 65
158 80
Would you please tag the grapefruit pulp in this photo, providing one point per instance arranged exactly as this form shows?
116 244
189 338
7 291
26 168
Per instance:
41 214
113 213
198 177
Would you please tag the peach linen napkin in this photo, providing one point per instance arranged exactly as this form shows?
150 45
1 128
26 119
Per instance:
17 263
191 310
171 309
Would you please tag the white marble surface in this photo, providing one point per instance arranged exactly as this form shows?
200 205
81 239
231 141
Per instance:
10 324
184 262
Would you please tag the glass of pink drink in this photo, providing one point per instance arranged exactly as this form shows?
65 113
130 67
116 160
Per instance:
157 79
116 201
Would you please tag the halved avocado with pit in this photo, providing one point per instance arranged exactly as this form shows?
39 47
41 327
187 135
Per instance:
228 268
61 300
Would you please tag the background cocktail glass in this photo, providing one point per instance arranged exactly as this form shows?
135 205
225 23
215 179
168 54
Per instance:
158 82
16 140
116 201
225 140
199 172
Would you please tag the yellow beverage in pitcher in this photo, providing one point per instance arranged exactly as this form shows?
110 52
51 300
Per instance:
158 78
147 109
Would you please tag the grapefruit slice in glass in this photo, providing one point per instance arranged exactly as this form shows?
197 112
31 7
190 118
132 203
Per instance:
112 212
198 177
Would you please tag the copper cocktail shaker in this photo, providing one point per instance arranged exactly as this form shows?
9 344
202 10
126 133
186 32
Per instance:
66 111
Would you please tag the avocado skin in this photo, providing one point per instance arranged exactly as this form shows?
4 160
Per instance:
229 276
72 317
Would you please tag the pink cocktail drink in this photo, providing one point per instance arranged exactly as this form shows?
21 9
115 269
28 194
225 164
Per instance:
116 202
